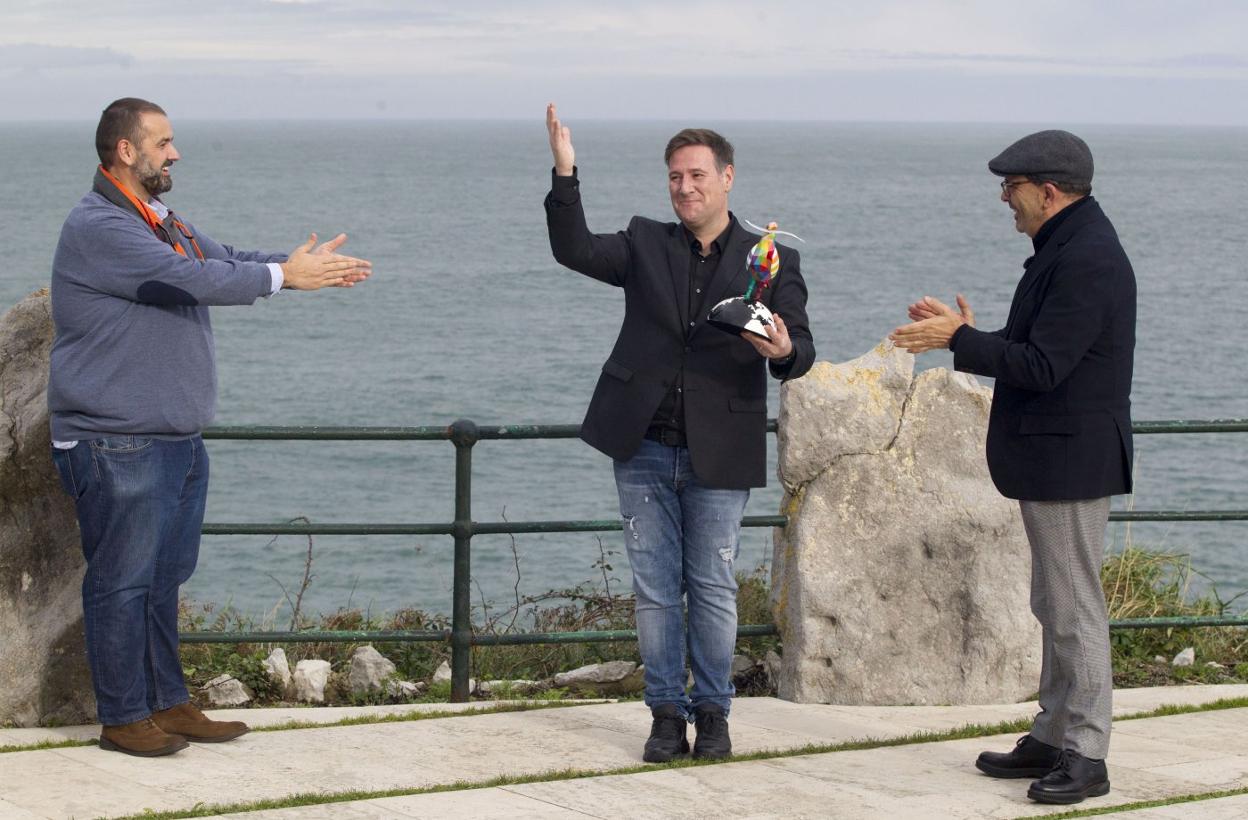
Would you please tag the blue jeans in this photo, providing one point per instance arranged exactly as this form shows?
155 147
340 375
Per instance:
682 539
140 504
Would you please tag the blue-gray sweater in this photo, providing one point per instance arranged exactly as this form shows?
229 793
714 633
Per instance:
133 353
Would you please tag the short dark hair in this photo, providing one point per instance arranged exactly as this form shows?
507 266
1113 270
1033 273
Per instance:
720 147
121 121
1071 188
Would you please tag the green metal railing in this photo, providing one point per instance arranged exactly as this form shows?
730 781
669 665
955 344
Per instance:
464 435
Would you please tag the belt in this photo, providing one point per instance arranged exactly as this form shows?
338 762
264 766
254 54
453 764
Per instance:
667 436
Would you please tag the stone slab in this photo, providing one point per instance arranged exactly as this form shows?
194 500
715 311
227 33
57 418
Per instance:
1148 760
270 717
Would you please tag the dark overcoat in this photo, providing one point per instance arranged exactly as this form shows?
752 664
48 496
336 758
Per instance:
1060 424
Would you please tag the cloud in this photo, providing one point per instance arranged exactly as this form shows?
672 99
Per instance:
39 57
438 58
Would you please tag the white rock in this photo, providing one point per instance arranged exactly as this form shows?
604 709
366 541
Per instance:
1185 658
1215 665
224 690
1159 658
903 576
443 675
741 664
404 688
596 673
490 688
278 669
310 679
369 671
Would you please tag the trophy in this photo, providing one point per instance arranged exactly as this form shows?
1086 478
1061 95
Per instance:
745 314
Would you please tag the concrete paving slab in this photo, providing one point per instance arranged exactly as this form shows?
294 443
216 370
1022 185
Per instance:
1216 773
272 717
8 811
1146 699
896 782
479 804
930 780
1226 808
48 784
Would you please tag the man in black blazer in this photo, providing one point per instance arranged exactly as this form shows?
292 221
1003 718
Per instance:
1059 440
682 409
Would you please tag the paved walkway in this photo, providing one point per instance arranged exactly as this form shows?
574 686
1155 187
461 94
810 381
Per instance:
1151 758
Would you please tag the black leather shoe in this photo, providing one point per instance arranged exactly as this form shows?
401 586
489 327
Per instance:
1028 758
1072 779
712 725
667 735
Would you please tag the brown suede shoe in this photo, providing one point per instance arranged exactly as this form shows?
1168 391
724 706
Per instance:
143 738
186 720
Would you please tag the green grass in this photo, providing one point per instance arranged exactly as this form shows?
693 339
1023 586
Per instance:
959 733
1140 804
1152 584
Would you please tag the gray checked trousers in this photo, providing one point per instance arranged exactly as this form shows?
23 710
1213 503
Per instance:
1076 678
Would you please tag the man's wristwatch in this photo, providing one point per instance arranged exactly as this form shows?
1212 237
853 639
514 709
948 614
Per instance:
787 359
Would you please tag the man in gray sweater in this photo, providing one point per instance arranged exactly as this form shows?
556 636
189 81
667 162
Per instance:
133 382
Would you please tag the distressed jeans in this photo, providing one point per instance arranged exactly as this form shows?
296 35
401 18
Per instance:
140 505
682 538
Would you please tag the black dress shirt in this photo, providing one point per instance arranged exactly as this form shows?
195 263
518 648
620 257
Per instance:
671 412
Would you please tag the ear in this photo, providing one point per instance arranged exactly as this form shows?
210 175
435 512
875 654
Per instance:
728 175
127 152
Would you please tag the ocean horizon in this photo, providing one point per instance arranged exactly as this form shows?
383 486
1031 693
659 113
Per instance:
468 316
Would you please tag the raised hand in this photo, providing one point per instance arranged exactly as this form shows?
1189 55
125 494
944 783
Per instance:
312 267
560 143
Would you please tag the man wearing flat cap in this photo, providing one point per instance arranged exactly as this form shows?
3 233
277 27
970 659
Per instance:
1059 440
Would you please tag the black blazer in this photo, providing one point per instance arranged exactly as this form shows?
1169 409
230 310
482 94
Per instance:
725 379
1060 424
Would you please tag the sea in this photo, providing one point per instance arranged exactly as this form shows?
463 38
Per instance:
468 316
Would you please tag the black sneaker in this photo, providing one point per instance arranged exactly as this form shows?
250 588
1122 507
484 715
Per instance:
1028 758
667 735
1072 779
712 724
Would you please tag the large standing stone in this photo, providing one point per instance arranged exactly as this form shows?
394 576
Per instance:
903 576
44 678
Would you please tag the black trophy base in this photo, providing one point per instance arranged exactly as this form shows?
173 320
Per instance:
738 316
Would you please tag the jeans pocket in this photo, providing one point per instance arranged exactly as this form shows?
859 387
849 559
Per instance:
61 459
121 444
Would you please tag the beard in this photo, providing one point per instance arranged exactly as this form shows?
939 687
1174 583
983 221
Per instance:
153 181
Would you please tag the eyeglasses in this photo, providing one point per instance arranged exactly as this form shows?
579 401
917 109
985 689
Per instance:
1007 186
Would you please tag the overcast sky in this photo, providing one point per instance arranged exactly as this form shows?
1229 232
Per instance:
1143 61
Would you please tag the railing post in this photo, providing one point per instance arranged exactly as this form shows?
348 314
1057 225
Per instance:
463 436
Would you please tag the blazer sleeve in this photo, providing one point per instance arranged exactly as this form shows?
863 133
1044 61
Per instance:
790 302
1071 316
602 256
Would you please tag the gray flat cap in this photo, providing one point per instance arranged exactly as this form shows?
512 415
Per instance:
1058 156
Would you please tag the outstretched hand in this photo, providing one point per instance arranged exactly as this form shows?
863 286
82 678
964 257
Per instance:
560 143
932 325
778 346
312 267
